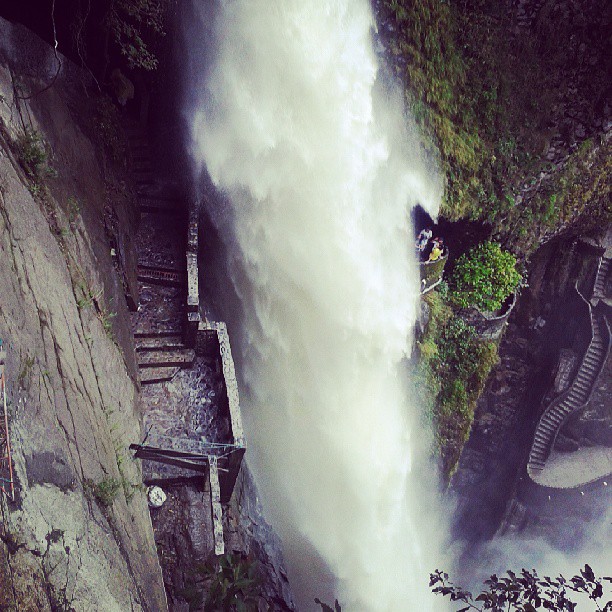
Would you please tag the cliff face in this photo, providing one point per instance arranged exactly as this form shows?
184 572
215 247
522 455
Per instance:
78 535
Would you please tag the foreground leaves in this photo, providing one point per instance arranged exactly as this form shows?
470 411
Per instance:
525 592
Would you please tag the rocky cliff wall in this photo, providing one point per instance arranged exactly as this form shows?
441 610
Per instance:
78 536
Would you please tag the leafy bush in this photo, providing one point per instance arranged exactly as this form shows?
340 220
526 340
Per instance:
484 277
128 21
526 591
109 130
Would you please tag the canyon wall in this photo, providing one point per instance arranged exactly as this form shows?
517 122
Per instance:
78 535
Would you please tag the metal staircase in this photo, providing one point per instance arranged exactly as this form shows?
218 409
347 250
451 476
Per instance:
580 390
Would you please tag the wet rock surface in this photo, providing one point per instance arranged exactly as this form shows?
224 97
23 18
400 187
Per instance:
186 408
70 365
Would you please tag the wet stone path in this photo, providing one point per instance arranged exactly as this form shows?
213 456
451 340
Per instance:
183 397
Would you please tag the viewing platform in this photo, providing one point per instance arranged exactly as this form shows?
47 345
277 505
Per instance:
432 272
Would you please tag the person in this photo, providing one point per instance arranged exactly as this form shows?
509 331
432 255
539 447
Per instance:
436 250
423 239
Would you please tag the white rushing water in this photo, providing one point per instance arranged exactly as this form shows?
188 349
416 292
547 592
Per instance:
313 154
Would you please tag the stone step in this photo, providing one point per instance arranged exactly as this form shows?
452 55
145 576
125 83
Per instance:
547 426
162 276
150 376
158 333
169 206
160 343
166 359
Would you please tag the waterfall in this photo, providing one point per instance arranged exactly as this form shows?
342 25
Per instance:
318 168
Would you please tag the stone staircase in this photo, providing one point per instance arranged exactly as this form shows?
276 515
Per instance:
580 390
162 274
600 280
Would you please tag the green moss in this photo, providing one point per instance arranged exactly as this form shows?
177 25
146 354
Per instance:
106 491
472 92
452 370
581 194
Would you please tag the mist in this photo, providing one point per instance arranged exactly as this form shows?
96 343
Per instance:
308 144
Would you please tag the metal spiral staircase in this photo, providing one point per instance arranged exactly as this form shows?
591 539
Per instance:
580 390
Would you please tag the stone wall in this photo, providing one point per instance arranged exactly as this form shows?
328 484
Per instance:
79 535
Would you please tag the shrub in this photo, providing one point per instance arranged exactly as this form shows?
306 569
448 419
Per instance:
526 591
108 128
484 277
32 154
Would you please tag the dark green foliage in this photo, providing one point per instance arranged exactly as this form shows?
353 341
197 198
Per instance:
525 592
484 277
128 21
31 150
580 193
33 157
229 583
471 89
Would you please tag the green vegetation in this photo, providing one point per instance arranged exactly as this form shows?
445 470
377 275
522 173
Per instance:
470 88
106 491
484 277
26 370
581 193
227 583
525 592
128 21
31 151
33 158
470 82
106 318
453 367
73 209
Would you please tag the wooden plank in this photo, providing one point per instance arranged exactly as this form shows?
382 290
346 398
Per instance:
217 512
